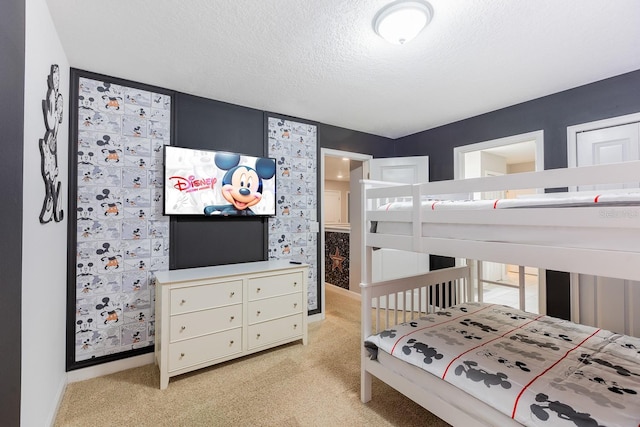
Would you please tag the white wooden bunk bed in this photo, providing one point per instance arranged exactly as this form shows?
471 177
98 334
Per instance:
505 367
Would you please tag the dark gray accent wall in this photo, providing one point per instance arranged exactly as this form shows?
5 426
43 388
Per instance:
213 125
337 138
12 45
612 97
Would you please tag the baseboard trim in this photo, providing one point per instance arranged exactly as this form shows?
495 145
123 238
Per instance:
315 318
337 289
58 401
109 368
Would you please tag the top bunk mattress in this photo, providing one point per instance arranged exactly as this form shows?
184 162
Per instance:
540 230
631 198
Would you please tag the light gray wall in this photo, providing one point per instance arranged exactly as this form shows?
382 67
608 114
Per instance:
44 272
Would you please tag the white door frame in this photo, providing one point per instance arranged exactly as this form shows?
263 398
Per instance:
329 153
572 162
459 152
573 131
458 173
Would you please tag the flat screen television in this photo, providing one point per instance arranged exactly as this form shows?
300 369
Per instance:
218 184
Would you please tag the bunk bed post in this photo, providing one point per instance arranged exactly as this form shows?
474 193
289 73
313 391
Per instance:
416 217
575 297
365 251
366 325
542 292
469 281
521 286
479 277
365 296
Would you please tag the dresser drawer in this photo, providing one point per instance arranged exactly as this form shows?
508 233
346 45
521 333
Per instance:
203 349
189 325
184 300
269 286
271 308
265 333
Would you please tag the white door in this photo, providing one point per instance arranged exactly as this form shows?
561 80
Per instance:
390 263
332 207
609 145
601 298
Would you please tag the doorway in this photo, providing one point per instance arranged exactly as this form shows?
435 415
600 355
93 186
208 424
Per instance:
340 175
495 282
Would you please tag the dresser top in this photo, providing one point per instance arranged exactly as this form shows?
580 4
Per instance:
198 273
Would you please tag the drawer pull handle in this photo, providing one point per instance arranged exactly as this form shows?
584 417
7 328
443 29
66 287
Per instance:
230 343
232 294
295 326
257 336
181 355
295 283
183 302
182 328
258 290
295 305
258 313
231 319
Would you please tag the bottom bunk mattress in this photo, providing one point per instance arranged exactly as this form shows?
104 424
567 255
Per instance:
538 370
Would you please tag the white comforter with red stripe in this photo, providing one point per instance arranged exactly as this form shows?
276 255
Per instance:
539 370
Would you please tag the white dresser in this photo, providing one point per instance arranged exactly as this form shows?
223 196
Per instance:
210 315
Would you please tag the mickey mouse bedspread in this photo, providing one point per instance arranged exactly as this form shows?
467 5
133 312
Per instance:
539 370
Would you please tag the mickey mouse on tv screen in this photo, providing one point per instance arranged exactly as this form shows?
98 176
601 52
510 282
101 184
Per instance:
241 184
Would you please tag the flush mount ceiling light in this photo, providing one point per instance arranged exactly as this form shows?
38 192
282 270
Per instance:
402 20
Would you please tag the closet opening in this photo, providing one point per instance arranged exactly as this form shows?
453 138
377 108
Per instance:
517 286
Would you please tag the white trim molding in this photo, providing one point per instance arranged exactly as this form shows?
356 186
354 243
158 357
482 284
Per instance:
536 136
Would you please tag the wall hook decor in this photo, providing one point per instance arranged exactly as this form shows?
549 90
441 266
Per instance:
52 108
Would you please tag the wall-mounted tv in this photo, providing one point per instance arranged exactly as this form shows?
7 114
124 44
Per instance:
218 184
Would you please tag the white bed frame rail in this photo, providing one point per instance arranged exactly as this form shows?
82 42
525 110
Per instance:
419 295
451 285
402 300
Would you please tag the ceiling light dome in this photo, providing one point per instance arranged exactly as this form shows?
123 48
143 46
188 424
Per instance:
402 20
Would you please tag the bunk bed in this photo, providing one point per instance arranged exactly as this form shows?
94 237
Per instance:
505 366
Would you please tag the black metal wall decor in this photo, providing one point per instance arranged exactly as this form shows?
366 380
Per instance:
52 108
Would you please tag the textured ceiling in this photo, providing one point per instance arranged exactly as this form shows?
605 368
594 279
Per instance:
320 59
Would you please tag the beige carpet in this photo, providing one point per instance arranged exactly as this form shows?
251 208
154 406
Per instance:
293 385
